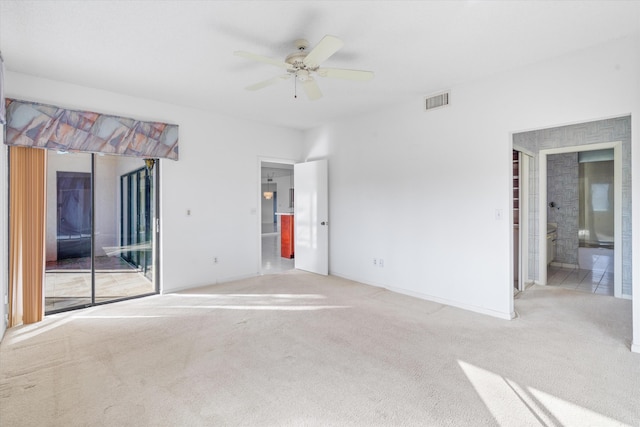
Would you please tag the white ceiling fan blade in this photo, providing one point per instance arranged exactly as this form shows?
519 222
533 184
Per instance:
261 58
341 73
327 47
311 89
266 83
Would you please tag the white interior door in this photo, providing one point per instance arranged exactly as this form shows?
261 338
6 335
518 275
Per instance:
311 217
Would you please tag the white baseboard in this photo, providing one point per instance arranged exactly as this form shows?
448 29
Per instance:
563 265
202 285
444 301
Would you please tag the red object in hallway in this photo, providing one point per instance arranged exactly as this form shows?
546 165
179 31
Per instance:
286 236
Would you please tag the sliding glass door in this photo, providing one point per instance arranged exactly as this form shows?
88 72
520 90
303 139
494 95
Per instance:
68 281
136 213
88 261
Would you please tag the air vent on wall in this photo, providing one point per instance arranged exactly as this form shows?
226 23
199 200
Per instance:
436 101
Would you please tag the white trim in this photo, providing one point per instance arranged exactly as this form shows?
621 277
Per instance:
204 285
617 203
523 150
443 301
523 252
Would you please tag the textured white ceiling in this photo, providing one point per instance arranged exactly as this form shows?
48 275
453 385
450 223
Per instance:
181 52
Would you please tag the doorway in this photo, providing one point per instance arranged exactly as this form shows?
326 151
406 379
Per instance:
101 243
579 271
276 201
580 194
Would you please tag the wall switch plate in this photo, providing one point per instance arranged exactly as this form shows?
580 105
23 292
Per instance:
499 214
381 263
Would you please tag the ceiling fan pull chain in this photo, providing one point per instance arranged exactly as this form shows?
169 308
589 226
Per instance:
295 87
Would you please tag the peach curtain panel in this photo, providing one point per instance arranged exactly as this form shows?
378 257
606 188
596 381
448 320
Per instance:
27 216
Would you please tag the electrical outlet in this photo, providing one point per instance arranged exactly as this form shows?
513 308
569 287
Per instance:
375 262
215 259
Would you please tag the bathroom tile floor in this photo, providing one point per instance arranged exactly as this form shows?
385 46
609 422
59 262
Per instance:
595 274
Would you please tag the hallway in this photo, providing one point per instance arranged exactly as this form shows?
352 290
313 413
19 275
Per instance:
272 262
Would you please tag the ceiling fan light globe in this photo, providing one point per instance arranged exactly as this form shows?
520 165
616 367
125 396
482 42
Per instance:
303 75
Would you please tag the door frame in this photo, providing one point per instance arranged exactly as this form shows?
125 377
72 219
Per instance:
617 206
525 157
258 210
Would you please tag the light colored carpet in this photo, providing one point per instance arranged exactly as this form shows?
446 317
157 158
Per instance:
300 349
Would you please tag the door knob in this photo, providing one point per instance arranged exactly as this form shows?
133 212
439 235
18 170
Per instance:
324 223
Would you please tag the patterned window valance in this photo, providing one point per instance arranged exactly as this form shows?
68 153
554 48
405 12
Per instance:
46 126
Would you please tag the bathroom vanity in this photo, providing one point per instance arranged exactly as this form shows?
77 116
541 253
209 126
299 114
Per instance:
552 236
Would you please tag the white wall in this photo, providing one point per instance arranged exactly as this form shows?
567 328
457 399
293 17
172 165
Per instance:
267 204
283 184
216 178
421 189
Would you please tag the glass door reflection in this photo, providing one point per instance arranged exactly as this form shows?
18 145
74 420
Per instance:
123 267
137 212
101 241
68 281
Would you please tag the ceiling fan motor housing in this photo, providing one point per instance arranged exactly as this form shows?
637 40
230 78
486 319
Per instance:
301 44
296 60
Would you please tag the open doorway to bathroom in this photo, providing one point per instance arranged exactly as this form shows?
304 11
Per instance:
583 218
605 134
276 216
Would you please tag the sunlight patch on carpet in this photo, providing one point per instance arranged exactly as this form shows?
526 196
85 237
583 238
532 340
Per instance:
510 404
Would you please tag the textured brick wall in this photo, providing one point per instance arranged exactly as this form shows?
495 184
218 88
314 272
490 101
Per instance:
563 190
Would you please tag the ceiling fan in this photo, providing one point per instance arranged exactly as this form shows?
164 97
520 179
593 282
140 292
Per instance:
303 64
